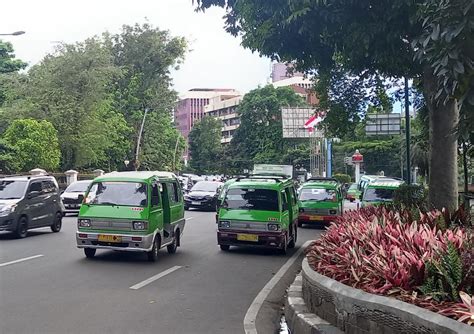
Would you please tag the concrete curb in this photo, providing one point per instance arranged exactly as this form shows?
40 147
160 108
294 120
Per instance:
355 311
298 317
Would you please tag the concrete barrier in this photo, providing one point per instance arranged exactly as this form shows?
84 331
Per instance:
355 311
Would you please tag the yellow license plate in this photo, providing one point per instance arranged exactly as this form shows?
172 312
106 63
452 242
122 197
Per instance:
109 238
316 218
247 237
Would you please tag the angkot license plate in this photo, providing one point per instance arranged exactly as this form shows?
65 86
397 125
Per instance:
109 238
316 218
247 237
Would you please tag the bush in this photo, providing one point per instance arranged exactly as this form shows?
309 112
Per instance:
409 196
389 252
342 178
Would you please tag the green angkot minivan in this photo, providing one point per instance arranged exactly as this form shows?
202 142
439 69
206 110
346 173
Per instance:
132 211
380 191
258 211
320 201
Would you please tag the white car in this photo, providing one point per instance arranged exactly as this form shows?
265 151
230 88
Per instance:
73 195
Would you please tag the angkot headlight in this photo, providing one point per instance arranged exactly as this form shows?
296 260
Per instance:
139 225
84 222
224 224
273 227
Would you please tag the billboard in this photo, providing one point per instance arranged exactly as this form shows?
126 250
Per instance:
383 124
293 122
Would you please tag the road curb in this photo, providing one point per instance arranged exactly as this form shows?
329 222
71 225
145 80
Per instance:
299 319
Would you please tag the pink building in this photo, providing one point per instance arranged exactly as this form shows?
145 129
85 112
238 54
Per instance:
190 108
280 72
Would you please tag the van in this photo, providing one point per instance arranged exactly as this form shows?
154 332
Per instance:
320 201
132 211
380 191
258 211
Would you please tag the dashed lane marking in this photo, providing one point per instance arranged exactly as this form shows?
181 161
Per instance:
21 260
154 278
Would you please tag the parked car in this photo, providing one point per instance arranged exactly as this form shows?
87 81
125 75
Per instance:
73 195
203 195
28 202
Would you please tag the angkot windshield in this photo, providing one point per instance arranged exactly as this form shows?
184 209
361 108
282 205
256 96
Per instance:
378 195
117 193
319 195
252 199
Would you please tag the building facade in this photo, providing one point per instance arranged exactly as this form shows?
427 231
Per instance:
301 86
281 71
225 110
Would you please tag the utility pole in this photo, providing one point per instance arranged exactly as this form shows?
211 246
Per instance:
407 131
140 138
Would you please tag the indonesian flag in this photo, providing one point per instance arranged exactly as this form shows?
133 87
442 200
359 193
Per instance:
313 121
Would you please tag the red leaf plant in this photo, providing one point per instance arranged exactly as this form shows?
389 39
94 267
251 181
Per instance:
381 252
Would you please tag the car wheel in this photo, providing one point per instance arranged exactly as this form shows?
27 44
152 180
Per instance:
293 238
90 252
172 248
22 228
153 254
225 247
186 207
56 227
300 223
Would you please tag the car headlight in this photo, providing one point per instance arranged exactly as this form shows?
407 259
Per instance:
301 210
224 224
84 222
7 209
273 227
138 225
332 212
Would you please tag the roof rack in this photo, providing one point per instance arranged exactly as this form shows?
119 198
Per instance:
276 178
327 179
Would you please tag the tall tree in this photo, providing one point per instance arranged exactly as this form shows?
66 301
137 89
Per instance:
368 35
205 145
34 144
8 63
259 138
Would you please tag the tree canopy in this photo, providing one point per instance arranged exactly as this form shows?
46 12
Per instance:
8 63
205 145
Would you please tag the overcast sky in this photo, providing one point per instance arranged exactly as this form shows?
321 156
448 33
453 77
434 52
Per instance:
216 59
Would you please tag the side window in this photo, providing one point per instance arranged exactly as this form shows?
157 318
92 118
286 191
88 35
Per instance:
284 201
292 195
35 186
177 192
48 187
172 193
155 195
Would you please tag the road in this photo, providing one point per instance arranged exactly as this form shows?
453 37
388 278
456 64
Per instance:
60 291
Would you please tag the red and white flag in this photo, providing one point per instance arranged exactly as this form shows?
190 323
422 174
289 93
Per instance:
313 121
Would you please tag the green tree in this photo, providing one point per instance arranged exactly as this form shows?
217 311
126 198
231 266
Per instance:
259 138
8 63
381 37
205 145
34 144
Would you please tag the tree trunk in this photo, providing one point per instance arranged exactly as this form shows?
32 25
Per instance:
443 179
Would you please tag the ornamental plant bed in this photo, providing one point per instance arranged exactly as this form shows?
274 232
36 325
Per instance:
392 253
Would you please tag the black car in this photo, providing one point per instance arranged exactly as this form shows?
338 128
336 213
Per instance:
28 202
203 195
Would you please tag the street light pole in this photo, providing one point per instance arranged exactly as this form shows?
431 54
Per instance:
407 130
140 138
16 33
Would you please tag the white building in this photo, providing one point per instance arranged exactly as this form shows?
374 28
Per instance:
225 110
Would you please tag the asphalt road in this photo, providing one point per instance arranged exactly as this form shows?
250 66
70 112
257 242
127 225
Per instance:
60 291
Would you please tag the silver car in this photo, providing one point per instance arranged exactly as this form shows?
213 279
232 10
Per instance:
73 195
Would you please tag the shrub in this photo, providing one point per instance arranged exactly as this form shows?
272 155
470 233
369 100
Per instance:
342 178
409 196
389 252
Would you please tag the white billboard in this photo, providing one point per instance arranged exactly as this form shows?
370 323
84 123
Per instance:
383 124
293 121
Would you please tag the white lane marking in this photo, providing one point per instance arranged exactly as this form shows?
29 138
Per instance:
154 278
188 218
251 315
21 260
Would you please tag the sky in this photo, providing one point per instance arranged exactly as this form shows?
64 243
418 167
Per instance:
217 59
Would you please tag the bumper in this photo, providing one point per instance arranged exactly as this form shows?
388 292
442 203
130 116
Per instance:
91 240
264 239
201 204
8 223
313 219
71 208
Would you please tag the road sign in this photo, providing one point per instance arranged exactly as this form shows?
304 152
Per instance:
293 123
383 124
348 161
